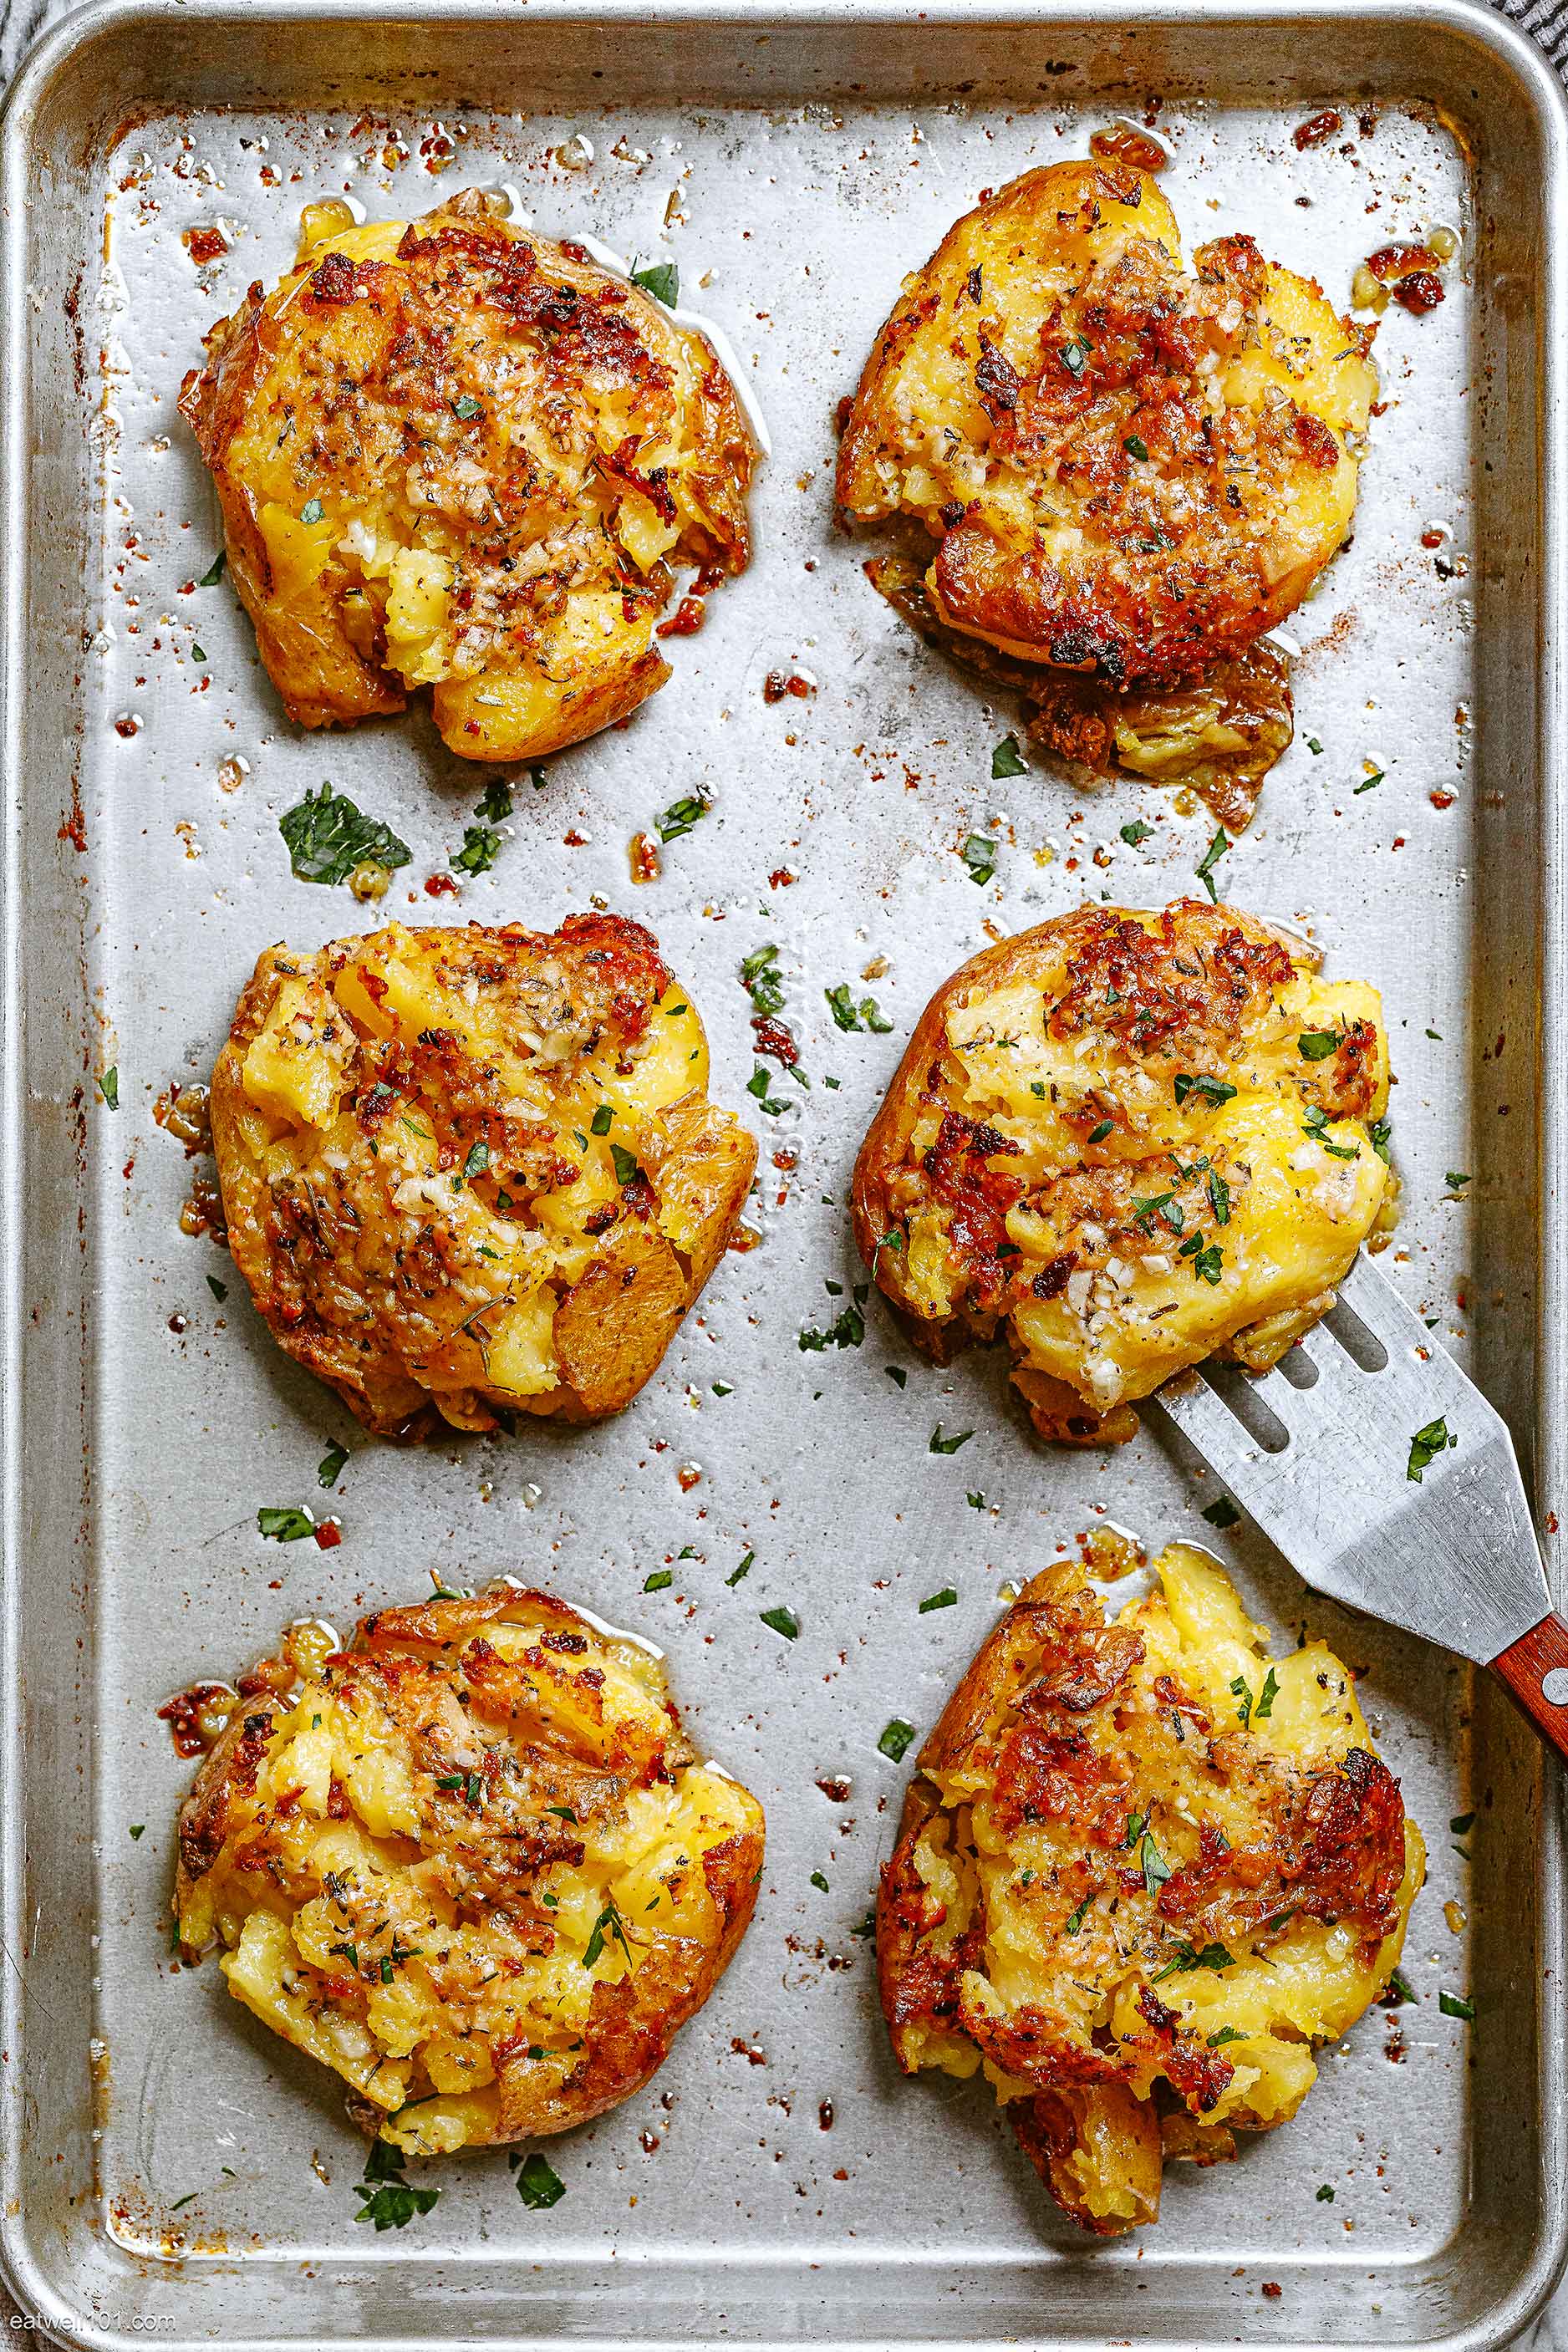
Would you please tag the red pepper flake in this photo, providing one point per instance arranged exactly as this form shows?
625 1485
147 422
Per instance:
644 857
774 1038
687 1476
686 620
329 1535
1441 800
205 245
440 885
1392 261
1316 130
778 683
1121 145
1273 2290
1433 538
576 840
1420 292
780 878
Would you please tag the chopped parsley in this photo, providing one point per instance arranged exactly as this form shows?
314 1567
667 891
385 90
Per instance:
1136 447
1317 1044
481 847
478 1161
494 803
820 1883
847 1332
1455 1180
896 1738
1426 1446
1208 1263
389 2203
1314 746
1075 353
946 1599
608 1922
781 1621
312 511
1165 1205
1462 1825
600 1122
1004 760
757 1085
1379 1132
941 1445
1187 1958
760 982
137 1828
976 1500
214 571
1098 1134
109 1086
1216 849
1397 1992
1226 2034
1266 1698
1136 831
1219 1197
979 854
1325 2195
285 1524
896 1374
1374 777
1213 1091
744 1570
661 1579
1222 1513
849 1016
1152 1862
465 407
662 280
539 2185
626 1168
327 836
1076 1918
1241 1691
329 1468
198 653
680 816
1453 2004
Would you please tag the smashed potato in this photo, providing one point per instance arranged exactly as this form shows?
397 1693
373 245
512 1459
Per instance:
456 454
468 1171
471 1864
1130 1140
1132 471
1143 1869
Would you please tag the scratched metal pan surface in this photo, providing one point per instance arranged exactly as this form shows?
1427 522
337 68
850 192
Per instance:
171 2171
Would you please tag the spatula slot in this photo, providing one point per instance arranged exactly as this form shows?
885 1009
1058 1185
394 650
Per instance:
1241 1397
1361 1344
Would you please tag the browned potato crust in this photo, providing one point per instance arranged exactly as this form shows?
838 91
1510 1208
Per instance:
1126 1141
1141 1871
471 1864
468 1171
458 455
1132 472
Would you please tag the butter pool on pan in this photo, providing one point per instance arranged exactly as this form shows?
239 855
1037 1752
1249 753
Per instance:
1126 1141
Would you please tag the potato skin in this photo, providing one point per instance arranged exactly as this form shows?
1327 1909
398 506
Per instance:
1062 1081
372 1839
415 1135
1139 1871
456 453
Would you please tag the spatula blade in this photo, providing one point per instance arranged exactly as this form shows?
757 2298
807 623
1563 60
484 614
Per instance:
1449 1553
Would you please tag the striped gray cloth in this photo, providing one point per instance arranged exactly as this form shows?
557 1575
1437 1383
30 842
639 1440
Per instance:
21 22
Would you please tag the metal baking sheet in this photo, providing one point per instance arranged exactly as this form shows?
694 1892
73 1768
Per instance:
171 2171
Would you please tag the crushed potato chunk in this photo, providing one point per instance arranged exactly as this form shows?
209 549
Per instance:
468 1171
471 1865
453 454
1130 1140
1142 1871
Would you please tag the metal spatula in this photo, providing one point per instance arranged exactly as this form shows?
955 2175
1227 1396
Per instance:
1387 1479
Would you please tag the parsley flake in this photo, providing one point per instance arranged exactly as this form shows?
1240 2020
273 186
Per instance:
680 816
285 1524
1216 849
946 1599
662 280
108 1088
941 1445
1426 1446
781 1621
979 854
896 1738
1004 760
327 836
1136 831
329 1468
539 2185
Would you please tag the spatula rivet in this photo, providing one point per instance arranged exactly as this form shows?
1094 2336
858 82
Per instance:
1554 1686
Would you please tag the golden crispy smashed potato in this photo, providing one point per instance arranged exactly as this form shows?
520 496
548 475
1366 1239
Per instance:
471 1864
1129 1140
467 1171
1132 471
456 454
1142 1872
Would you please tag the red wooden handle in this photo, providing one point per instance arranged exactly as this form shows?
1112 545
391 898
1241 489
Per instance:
1534 1672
